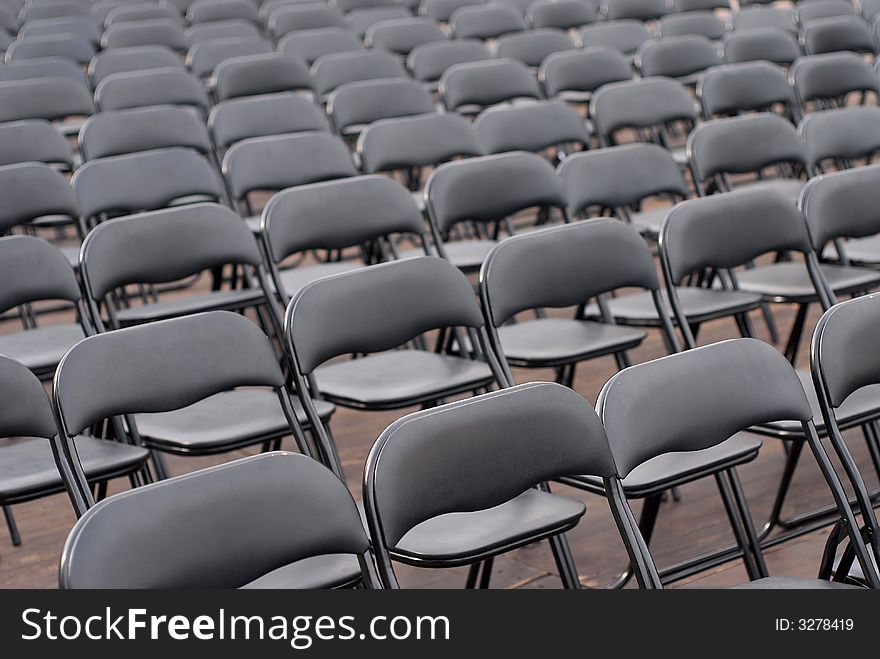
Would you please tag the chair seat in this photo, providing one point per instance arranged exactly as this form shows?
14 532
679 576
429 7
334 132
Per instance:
71 253
222 422
294 279
468 255
699 304
327 571
173 307
790 188
790 281
679 155
395 379
862 250
793 583
555 341
254 223
672 469
41 349
27 467
457 538
649 222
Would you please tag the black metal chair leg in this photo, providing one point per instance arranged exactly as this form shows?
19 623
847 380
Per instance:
770 321
159 464
791 461
486 576
473 575
564 562
647 522
797 330
736 526
12 526
745 514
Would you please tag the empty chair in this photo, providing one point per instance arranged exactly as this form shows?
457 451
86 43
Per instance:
771 44
153 87
749 143
309 45
204 56
532 127
416 518
209 11
33 12
400 36
36 194
746 87
562 14
269 114
810 10
488 191
140 11
469 88
42 67
532 47
485 22
624 36
827 80
138 58
574 75
640 10
828 35
361 20
310 16
332 71
364 213
118 132
841 136
159 32
34 141
70 47
318 542
620 179
53 99
442 10
252 75
750 18
357 104
353 312
700 23
428 62
222 30
677 57
81 26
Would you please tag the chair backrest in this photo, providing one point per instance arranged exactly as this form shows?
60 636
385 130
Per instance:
771 44
34 12
747 143
311 16
361 20
42 67
479 453
171 86
84 27
34 141
33 270
221 30
401 35
442 10
841 134
620 176
624 36
270 114
583 71
702 23
158 32
640 10
139 12
491 188
869 9
562 14
485 21
346 6
119 132
642 103
72 47
169 535
482 84
810 10
831 76
744 87
729 230
309 45
45 98
357 104
143 181
676 57
530 127
532 47
563 266
27 411
827 35
700 5
283 161
751 18
252 75
842 205
31 190
204 56
332 71
377 308
428 62
136 58
208 11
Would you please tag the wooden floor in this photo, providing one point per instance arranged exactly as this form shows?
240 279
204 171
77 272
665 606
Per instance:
687 527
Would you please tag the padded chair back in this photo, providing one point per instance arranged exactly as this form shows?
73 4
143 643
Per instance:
311 16
487 83
771 44
563 266
842 205
563 15
309 45
209 11
810 10
42 67
74 48
252 75
701 23
831 76
361 103
532 47
33 270
269 114
751 18
139 12
27 411
47 98
332 71
400 36
442 10
640 10
642 103
841 134
428 62
828 35
361 20
744 87
35 12
221 30
491 188
34 141
624 36
136 58
205 56
83 27
485 22
346 6
582 71
676 57
159 32
531 127
32 190
137 89
377 308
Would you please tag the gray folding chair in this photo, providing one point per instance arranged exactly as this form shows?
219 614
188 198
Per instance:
683 58
746 87
373 311
826 81
34 12
84 27
751 18
497 501
400 36
137 89
624 36
828 35
59 100
573 76
563 14
139 11
472 87
639 10
428 62
364 213
355 105
42 67
361 20
442 10
771 44
138 58
205 56
254 75
810 10
72 47
296 17
34 140
221 30
539 127
699 23
841 137
334 70
210 11
309 45
534 46
159 32
485 22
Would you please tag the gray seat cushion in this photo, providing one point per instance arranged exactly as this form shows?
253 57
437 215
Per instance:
649 222
862 250
172 307
457 537
221 421
327 571
791 188
468 255
699 304
401 377
790 281
42 348
554 341
294 279
793 583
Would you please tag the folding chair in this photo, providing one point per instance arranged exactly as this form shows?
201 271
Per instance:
221 30
209 11
400 36
269 7
310 16
42 67
619 179
534 46
697 23
355 105
574 76
472 87
826 81
309 45
476 198
74 48
34 141
639 10
205 56
485 22
810 10
828 35
138 58
442 10
253 75
137 89
624 36
333 71
536 127
366 213
84 27
563 15
258 116
560 267
771 44
841 137
683 58
138 12
747 144
428 62
373 311
361 20
59 100
498 500
746 87
751 18
34 12
159 32
726 388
